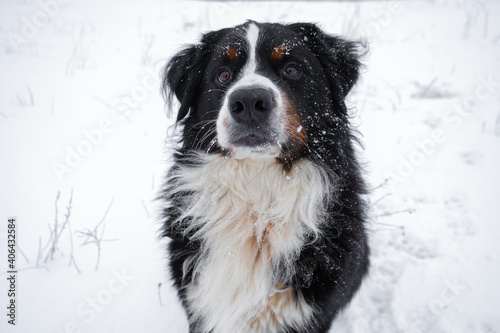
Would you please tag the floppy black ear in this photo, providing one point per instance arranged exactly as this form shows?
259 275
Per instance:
184 73
182 77
339 57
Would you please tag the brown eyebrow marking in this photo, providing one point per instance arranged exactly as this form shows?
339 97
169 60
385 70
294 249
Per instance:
232 53
279 52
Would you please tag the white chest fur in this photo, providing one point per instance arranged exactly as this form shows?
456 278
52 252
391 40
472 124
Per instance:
250 216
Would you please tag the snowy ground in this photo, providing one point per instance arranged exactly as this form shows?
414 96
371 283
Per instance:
82 124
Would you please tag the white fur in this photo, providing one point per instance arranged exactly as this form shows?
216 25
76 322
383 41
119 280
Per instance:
249 215
252 38
249 78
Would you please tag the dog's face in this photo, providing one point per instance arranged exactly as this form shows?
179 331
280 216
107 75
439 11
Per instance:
262 90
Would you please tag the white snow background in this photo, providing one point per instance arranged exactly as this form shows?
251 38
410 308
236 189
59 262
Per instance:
82 147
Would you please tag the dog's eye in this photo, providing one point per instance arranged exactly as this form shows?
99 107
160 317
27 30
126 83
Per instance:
224 76
291 71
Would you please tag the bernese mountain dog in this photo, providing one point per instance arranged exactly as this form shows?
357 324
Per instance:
264 204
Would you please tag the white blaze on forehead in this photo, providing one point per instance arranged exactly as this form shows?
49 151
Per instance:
252 37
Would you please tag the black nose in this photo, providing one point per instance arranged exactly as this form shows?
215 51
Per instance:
251 106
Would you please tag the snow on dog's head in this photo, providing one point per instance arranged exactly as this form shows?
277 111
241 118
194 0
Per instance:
263 90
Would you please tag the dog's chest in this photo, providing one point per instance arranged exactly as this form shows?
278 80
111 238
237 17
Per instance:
252 220
237 287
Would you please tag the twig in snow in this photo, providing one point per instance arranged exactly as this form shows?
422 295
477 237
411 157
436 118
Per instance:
28 268
80 55
146 55
72 257
425 92
381 198
31 97
408 210
21 251
118 110
392 226
159 293
497 126
95 235
39 251
145 207
381 185
56 231
25 100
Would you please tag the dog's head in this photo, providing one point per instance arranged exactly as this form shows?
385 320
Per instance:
263 90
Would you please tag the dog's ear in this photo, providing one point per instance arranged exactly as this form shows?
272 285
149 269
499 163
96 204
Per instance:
339 57
184 73
182 77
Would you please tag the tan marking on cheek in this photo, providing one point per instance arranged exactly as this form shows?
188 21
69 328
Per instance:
293 122
296 140
278 52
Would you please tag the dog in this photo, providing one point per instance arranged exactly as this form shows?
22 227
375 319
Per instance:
264 202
